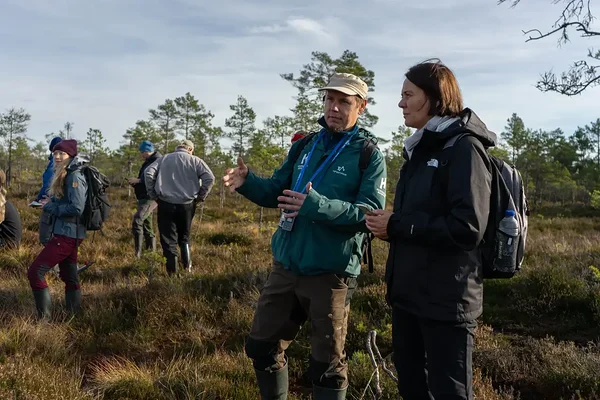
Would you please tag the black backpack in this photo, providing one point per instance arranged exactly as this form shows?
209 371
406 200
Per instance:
369 147
97 207
508 193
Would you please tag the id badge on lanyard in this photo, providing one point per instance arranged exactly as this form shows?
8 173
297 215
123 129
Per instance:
287 223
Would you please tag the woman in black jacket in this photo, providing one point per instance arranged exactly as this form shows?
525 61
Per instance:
441 207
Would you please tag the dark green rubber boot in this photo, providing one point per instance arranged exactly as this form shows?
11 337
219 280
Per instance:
73 301
321 393
138 241
273 385
43 303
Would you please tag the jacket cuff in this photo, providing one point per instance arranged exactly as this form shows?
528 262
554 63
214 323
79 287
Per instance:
311 204
408 225
49 207
247 185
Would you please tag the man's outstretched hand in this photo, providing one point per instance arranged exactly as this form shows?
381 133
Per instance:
235 177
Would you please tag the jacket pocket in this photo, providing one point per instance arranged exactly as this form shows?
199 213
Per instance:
408 270
46 227
449 273
420 189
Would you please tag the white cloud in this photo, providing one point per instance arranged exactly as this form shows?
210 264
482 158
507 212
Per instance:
275 28
308 25
298 25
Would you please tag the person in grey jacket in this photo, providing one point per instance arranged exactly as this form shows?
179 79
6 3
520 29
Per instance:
178 181
68 193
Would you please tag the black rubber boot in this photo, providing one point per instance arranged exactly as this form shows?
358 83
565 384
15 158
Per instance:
273 385
151 243
171 264
186 257
138 241
73 301
43 304
321 393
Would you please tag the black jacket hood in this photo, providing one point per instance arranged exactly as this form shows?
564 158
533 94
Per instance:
468 122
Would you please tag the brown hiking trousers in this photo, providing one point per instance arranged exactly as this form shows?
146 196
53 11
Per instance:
285 303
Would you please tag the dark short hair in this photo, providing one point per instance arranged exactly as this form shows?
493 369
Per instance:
440 86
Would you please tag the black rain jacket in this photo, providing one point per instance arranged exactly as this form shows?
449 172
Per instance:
441 210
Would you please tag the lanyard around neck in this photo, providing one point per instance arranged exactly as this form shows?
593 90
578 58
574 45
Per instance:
318 175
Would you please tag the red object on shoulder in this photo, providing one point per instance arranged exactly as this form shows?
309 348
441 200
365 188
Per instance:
298 135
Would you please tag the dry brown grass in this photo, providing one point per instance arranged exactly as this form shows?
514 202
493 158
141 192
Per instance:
143 335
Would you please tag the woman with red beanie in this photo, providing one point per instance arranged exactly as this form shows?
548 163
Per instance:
68 192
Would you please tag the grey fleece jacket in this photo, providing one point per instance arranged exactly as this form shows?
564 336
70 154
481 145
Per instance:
179 178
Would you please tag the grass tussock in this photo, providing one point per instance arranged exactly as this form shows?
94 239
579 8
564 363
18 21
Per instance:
216 376
144 335
37 379
543 368
223 238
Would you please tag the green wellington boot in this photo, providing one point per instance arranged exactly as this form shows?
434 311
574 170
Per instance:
273 385
321 393
43 303
73 301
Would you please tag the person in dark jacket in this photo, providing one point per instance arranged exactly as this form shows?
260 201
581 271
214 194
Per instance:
11 229
45 229
47 175
142 226
441 207
68 192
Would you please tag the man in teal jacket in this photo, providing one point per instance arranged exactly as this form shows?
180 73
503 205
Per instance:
318 246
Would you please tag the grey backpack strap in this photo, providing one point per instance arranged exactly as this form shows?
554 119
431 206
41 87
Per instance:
453 140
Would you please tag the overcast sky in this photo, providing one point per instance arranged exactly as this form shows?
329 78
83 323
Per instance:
104 63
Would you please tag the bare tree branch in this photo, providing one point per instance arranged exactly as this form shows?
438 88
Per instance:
576 15
585 32
572 82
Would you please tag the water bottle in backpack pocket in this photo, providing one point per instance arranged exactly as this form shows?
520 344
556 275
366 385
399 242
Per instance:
507 242
505 236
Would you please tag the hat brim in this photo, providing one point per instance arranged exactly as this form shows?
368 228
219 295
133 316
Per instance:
343 89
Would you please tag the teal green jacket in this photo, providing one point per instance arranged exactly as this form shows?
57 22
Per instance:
328 232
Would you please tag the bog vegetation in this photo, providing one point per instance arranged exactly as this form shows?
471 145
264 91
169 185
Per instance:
146 336
143 335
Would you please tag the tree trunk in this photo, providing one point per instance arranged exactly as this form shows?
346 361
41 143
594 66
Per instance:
221 194
187 127
598 150
201 213
129 166
9 175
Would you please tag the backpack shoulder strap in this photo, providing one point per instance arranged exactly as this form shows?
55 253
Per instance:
296 149
454 139
368 148
368 251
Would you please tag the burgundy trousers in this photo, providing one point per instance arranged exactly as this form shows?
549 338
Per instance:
59 250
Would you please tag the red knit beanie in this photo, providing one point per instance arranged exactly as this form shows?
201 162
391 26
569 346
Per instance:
68 146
